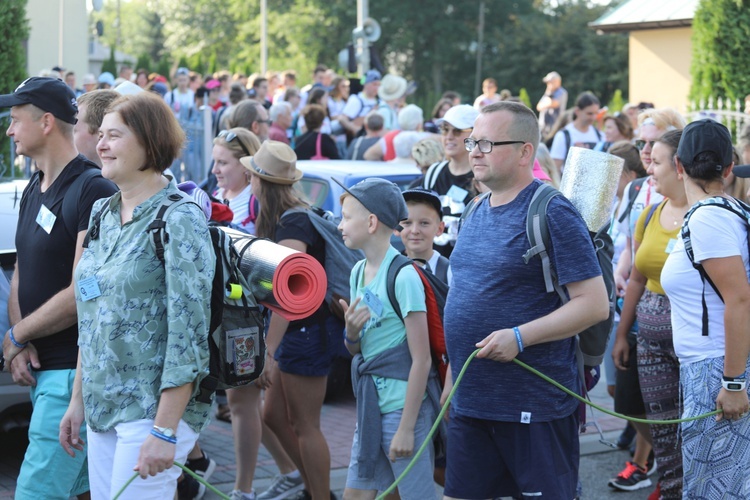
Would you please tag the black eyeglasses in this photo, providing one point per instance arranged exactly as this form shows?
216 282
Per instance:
485 146
640 144
267 122
229 136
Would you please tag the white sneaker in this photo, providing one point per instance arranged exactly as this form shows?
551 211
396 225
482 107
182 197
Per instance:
238 495
282 487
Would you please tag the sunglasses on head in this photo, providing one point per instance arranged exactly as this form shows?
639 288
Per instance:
230 136
640 144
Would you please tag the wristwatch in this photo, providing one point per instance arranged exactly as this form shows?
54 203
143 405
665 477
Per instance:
734 384
167 431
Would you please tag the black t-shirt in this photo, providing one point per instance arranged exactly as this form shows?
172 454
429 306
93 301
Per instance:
305 146
297 226
45 261
445 180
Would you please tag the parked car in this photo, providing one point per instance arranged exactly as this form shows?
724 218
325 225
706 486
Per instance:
322 192
15 403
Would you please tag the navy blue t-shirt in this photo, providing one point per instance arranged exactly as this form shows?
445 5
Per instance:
494 289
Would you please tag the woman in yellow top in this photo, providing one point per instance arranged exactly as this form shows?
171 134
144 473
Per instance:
656 232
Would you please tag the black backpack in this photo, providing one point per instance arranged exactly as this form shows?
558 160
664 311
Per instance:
743 212
592 342
235 341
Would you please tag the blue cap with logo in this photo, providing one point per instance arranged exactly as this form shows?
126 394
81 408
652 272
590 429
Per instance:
48 94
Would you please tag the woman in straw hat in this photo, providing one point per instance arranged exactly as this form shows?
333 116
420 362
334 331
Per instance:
299 353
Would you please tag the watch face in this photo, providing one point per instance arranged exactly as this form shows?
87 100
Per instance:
734 386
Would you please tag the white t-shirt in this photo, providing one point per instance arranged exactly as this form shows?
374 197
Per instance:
558 151
645 197
177 100
359 105
240 207
714 233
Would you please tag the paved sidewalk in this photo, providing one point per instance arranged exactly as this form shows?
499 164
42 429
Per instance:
598 462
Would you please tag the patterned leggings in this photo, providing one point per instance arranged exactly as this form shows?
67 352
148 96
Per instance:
716 454
659 375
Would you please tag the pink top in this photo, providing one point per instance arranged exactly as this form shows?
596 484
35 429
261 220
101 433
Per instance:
539 173
276 133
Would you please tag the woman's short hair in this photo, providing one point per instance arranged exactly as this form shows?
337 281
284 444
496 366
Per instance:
410 117
316 95
314 114
665 119
154 125
249 140
439 105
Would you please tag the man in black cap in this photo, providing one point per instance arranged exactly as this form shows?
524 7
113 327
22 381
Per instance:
40 349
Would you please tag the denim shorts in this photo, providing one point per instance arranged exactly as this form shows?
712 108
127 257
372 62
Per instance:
489 459
47 470
418 484
308 351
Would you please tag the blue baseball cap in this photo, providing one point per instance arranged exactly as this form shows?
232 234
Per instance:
381 198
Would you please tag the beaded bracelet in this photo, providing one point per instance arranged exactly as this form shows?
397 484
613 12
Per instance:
519 341
14 341
163 437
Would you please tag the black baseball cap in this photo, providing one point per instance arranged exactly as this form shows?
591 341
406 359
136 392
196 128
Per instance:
48 94
702 136
741 171
426 196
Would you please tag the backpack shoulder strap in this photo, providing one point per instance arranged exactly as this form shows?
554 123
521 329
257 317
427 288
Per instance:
441 269
537 232
598 134
471 207
433 171
651 212
566 134
73 197
396 265
94 227
158 226
633 190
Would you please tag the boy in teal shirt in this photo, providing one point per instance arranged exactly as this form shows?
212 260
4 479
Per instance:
392 364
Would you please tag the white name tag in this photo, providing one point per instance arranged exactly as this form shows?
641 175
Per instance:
373 302
46 219
670 245
89 288
457 194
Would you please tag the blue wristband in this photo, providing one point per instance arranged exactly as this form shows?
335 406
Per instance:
161 436
351 342
519 341
13 339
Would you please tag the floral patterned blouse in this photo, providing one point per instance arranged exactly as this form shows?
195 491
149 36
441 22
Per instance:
144 325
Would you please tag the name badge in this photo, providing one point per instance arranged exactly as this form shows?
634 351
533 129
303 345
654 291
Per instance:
46 219
372 301
670 245
89 288
457 194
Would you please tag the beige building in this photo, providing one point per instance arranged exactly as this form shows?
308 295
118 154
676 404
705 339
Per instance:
660 48
58 36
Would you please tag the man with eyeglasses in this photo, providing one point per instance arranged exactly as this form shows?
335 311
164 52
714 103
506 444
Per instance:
510 432
452 179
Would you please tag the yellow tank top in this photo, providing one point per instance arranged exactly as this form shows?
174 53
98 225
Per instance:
656 243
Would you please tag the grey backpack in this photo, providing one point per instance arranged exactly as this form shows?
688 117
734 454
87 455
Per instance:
339 259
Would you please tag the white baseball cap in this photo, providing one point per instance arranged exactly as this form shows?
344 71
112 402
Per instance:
461 116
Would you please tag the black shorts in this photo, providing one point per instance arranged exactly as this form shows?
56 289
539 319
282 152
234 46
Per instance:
310 351
628 398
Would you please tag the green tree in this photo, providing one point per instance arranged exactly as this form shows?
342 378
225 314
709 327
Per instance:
721 29
183 63
164 66
197 64
110 64
213 66
14 29
144 61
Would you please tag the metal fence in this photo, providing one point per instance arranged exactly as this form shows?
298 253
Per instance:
192 165
730 112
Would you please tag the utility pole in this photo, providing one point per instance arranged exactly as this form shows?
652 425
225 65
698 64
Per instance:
363 45
263 37
480 50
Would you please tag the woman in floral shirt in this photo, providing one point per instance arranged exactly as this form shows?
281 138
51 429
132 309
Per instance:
143 324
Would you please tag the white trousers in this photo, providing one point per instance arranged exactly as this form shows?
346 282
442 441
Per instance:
113 454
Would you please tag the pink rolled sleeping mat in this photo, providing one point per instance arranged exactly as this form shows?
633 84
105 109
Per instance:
290 283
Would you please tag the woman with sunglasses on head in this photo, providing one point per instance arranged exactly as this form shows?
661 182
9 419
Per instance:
299 353
656 233
711 318
142 320
232 179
